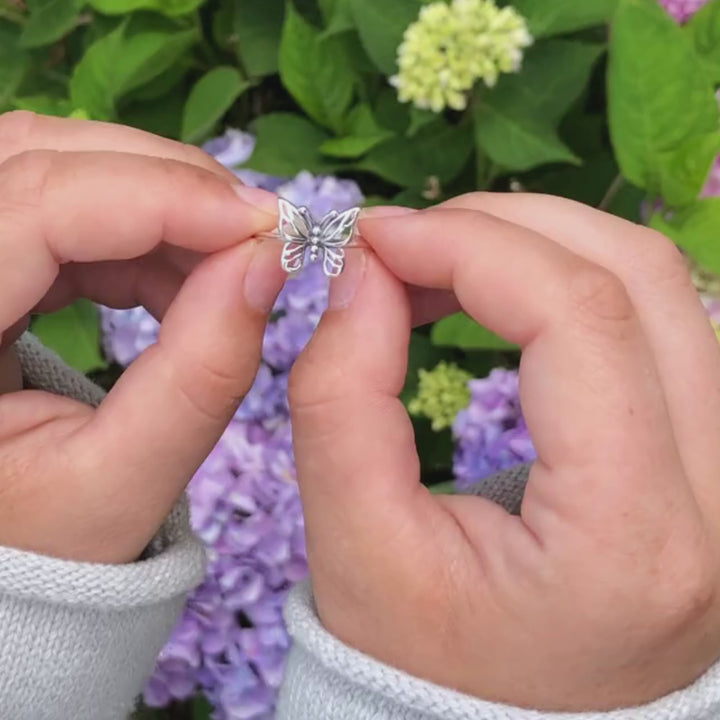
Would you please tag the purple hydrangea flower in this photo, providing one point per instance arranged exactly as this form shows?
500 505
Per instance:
683 10
233 149
231 642
491 433
321 194
712 187
126 333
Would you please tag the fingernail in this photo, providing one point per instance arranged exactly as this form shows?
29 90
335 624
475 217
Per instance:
343 289
264 277
257 197
385 211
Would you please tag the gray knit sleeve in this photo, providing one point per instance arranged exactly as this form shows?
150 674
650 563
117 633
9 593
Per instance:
326 680
78 640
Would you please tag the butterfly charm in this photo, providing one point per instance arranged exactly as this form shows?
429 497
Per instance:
324 240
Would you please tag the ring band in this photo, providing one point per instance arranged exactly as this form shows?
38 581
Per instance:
357 242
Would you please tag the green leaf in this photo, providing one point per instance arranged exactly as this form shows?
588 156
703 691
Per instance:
352 147
361 121
419 119
201 709
588 183
704 28
444 488
14 64
556 17
170 8
381 25
45 105
684 171
74 334
338 16
410 197
253 29
287 144
439 150
422 353
132 55
390 113
363 134
515 123
315 71
50 22
697 231
327 8
659 93
160 116
463 332
211 97
435 451
554 75
162 84
519 143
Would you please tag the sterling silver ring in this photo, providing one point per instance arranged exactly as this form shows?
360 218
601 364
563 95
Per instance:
324 240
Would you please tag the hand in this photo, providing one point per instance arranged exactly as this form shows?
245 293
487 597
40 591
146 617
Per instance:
604 592
123 218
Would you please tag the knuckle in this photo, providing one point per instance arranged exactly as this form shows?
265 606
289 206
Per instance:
29 170
196 156
319 396
210 388
689 594
305 389
660 258
215 392
179 173
598 296
16 129
316 379
681 582
23 182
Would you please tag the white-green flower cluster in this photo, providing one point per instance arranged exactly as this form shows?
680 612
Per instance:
452 46
442 393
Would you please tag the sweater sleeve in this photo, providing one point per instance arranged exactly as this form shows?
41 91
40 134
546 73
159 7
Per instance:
78 640
326 680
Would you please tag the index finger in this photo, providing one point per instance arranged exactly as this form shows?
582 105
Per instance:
22 130
673 318
589 385
84 207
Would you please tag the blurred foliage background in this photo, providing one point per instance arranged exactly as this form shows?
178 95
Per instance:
624 120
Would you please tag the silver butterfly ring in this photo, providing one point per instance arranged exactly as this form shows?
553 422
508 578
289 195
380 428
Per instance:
323 240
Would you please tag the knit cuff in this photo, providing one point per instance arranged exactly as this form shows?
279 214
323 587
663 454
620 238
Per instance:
326 680
78 640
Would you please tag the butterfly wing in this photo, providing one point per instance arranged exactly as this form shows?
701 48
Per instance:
295 222
333 260
293 256
294 228
337 228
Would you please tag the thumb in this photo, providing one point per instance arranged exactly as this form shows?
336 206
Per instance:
171 406
355 454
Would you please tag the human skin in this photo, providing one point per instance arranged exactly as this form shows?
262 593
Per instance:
123 218
603 593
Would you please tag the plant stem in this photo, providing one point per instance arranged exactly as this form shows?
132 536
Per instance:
615 186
